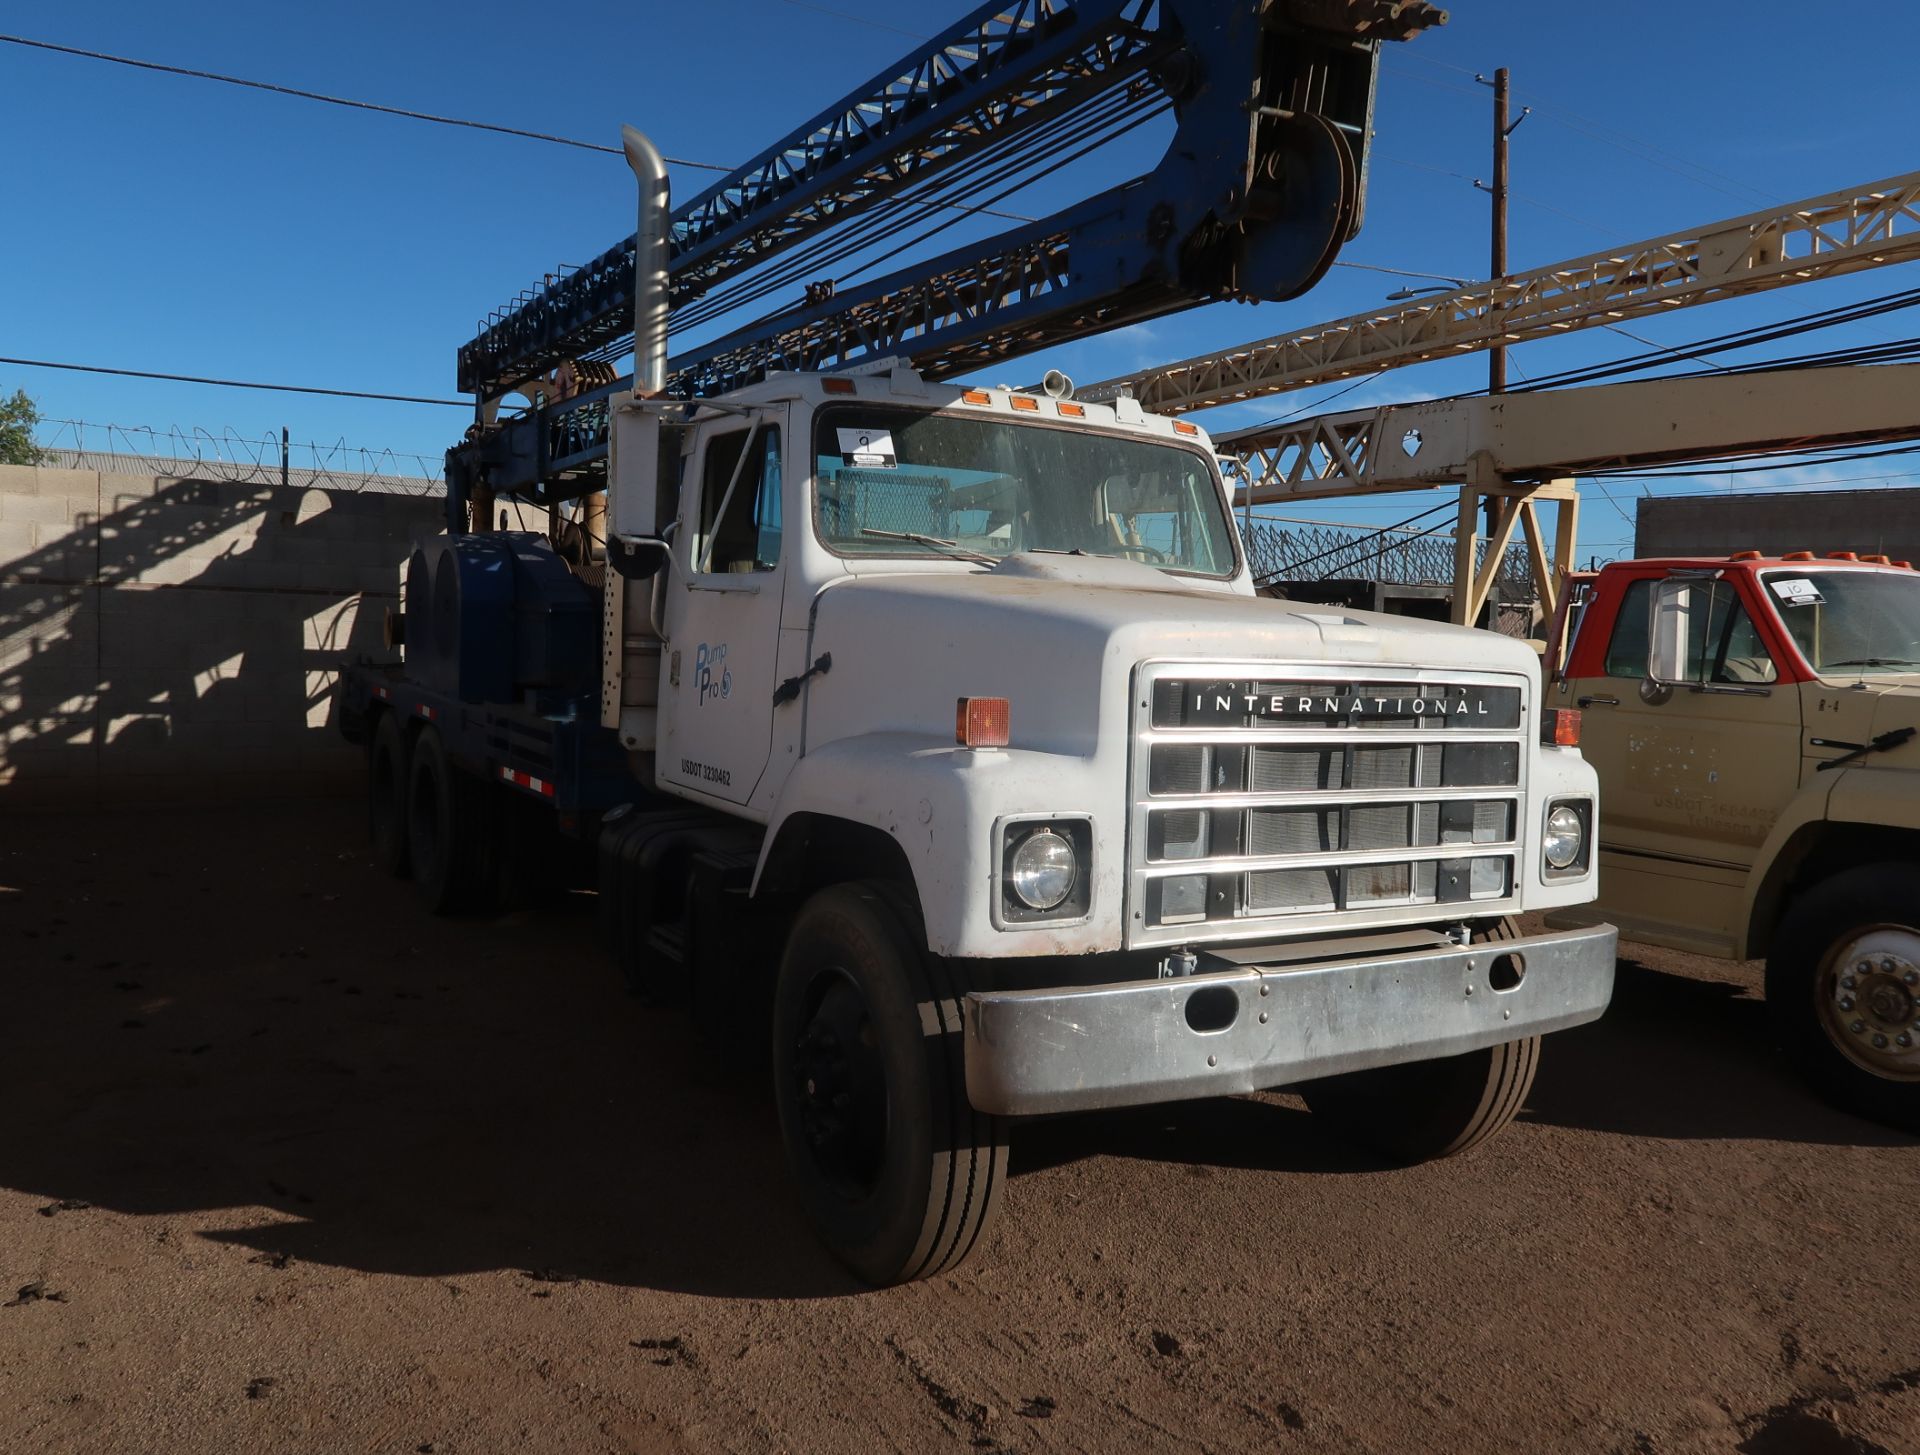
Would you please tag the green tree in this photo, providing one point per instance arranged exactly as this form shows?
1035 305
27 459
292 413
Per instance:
18 416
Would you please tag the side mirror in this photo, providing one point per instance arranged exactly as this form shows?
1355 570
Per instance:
639 512
1670 611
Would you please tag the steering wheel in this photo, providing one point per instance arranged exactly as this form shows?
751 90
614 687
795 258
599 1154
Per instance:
1158 558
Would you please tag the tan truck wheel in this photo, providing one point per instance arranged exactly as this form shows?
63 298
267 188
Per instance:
898 1174
1426 1110
1843 990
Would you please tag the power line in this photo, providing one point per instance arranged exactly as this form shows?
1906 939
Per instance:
565 141
238 383
856 19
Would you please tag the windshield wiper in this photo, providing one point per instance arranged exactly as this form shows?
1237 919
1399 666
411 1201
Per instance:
1875 662
952 546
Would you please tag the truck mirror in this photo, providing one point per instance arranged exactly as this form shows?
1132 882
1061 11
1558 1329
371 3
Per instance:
1670 611
633 473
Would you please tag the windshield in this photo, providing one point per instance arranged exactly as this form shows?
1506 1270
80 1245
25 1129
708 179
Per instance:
1851 621
900 482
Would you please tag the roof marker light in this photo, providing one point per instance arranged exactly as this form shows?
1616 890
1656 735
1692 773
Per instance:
1877 560
837 386
1744 556
976 396
1841 556
1023 401
1072 411
1182 427
1798 556
980 722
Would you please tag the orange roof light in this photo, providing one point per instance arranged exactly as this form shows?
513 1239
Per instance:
837 386
1798 556
980 722
1744 556
1023 401
976 396
1904 565
1072 411
1180 426
1877 560
1841 556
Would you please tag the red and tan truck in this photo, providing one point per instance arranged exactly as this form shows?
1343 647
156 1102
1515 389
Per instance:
1752 720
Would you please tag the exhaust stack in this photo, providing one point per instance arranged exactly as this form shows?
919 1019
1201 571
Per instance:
650 259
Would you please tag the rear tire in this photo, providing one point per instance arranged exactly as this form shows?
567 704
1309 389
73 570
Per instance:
1426 1110
897 1173
387 796
449 829
1817 992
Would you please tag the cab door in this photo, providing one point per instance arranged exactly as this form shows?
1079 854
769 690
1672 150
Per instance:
1692 777
722 611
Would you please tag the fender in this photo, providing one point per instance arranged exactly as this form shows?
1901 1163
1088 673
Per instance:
1876 801
940 803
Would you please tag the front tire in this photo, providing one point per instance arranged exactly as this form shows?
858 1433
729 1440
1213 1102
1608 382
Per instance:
1426 1110
897 1173
1843 991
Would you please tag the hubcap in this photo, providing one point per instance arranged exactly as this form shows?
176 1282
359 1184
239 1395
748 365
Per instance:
841 1087
1868 997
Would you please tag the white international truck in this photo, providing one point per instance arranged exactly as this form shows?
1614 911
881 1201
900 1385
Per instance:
933 737
958 741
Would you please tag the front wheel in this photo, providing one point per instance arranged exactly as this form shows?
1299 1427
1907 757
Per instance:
897 1173
1843 991
1425 1110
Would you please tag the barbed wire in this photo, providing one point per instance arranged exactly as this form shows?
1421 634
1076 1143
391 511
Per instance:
234 457
1407 558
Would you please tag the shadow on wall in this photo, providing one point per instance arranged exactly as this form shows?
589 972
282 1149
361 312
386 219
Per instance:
177 639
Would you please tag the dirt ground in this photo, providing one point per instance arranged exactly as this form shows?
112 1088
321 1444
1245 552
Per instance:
287 1165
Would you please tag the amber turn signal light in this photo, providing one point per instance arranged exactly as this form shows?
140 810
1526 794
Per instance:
1560 727
980 722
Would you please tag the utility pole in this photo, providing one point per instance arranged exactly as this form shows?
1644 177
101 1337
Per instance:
1497 355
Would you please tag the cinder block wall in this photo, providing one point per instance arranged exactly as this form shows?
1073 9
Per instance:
169 639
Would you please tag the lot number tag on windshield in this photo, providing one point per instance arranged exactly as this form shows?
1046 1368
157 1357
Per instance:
869 447
1797 592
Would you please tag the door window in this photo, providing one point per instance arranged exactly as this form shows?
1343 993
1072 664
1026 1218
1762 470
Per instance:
740 505
1722 642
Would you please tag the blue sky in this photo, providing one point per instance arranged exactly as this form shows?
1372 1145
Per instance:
156 222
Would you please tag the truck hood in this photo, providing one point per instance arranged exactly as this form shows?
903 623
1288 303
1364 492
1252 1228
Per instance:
1840 711
1056 634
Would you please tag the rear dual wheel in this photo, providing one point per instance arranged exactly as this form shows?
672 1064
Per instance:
449 829
898 1174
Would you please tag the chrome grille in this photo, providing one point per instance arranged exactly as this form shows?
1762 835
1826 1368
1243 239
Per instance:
1325 794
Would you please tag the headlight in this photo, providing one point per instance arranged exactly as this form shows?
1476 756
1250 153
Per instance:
1043 869
1565 838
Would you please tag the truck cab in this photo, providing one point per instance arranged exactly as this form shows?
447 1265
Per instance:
1752 721
977 681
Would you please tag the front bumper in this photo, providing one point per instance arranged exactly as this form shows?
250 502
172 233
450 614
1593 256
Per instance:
1135 1044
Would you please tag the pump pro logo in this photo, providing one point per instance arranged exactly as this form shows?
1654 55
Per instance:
711 678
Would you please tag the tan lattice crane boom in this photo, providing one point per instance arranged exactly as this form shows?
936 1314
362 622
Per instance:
1821 237
1519 447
